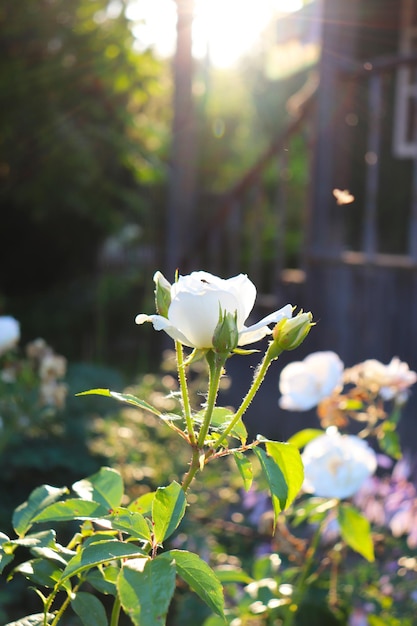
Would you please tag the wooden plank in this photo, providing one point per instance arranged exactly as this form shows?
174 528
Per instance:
280 219
412 227
372 158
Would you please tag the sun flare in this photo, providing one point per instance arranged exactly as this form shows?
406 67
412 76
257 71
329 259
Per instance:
223 30
228 29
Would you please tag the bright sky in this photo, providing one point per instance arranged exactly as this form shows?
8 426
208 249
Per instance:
228 28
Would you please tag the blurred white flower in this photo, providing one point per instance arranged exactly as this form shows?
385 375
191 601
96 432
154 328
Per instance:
38 349
9 333
52 393
303 384
389 381
196 302
336 466
52 366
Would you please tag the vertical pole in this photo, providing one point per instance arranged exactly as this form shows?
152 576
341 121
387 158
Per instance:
182 173
373 166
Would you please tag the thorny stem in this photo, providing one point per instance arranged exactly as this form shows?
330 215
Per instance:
184 393
215 368
270 355
216 363
63 606
194 467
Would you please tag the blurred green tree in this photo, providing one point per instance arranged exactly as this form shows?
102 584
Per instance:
81 133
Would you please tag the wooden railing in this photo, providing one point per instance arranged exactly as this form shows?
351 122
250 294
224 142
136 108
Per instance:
245 229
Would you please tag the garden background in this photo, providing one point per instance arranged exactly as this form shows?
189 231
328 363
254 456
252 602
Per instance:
116 161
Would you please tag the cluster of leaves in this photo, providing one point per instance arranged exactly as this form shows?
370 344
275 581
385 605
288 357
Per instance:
148 521
117 542
218 527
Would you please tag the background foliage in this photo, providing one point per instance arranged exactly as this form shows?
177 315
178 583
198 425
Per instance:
81 135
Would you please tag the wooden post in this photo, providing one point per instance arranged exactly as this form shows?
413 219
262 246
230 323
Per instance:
182 174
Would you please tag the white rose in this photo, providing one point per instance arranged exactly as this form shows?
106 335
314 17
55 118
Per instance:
303 384
390 381
197 299
9 333
336 466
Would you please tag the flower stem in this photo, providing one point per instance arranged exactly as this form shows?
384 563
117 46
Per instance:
216 363
194 467
64 605
270 355
114 620
184 393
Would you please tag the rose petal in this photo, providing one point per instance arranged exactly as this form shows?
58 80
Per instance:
261 329
162 323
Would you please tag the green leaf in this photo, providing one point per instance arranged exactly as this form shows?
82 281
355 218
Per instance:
5 559
41 572
239 431
284 472
168 509
122 397
389 441
32 620
143 504
100 552
45 538
220 416
200 577
71 509
303 437
89 609
245 469
146 595
104 487
130 522
104 579
356 531
40 498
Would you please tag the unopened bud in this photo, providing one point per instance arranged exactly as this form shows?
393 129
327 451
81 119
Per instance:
226 334
162 294
288 334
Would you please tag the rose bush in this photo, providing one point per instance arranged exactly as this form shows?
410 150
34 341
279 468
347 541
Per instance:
193 306
390 381
336 465
303 384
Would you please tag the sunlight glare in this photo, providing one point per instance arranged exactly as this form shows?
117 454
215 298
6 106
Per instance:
223 29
